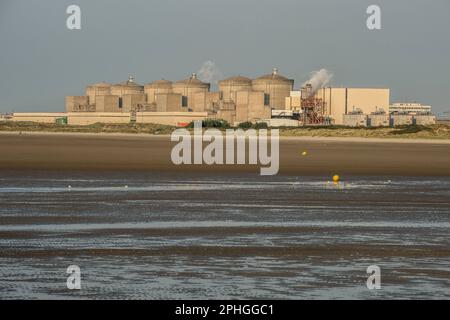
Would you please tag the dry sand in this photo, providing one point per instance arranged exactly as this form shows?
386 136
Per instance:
125 152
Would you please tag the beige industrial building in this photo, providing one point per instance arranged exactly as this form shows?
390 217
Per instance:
355 119
378 119
401 119
42 117
424 119
411 108
87 118
337 102
238 99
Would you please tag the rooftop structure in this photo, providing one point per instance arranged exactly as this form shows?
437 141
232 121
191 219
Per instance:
409 108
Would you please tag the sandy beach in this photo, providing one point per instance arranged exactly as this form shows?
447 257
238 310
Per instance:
140 227
127 152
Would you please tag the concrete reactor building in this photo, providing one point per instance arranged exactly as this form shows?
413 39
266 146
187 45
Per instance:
270 98
239 99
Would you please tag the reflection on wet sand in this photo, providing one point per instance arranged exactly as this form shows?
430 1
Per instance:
230 236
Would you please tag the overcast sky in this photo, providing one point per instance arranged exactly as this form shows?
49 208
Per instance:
41 61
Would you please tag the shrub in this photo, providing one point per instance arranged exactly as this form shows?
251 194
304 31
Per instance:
245 125
260 125
212 123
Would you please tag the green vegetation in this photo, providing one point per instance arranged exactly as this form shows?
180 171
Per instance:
260 125
93 128
212 123
245 125
438 131
249 125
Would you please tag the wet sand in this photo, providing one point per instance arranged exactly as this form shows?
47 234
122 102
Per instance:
223 236
326 156
140 227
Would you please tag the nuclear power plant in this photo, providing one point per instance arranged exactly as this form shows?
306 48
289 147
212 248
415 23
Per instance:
270 98
239 99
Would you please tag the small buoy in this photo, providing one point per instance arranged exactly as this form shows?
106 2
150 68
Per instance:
336 178
126 187
70 187
304 153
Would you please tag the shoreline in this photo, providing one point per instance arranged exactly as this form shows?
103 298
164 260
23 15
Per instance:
90 152
286 138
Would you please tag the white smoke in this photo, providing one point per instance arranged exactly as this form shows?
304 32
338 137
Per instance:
319 79
210 73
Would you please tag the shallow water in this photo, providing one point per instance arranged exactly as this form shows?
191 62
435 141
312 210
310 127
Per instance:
159 236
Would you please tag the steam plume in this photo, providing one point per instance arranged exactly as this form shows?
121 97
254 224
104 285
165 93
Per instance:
209 72
319 79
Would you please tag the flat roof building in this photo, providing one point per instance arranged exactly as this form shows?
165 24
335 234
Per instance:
409 108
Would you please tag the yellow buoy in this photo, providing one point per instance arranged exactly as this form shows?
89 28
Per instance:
304 153
336 178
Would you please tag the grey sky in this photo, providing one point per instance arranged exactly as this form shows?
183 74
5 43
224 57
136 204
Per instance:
41 61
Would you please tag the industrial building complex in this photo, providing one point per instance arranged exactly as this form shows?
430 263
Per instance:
270 98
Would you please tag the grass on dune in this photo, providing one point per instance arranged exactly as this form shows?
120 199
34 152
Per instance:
438 131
